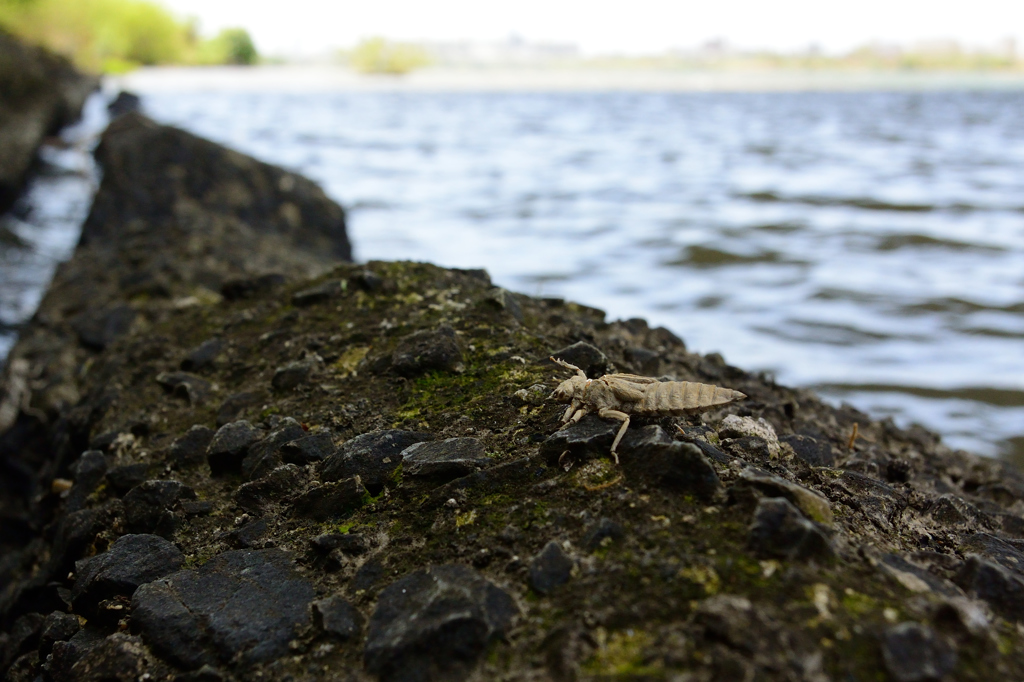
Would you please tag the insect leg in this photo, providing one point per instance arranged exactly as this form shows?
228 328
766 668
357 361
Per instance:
624 418
565 364
573 406
580 414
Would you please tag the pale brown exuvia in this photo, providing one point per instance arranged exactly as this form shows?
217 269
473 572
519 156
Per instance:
617 396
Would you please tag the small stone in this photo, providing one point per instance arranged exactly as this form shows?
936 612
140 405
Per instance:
131 561
124 103
235 405
150 506
57 627
603 530
248 287
444 459
295 373
813 505
335 616
124 478
265 455
882 504
811 450
587 438
780 530
551 568
913 577
728 618
249 534
348 543
739 427
229 445
506 300
995 584
89 470
435 623
184 385
22 636
319 293
308 449
590 359
915 653
424 351
190 449
280 484
676 466
372 456
203 355
331 500
994 549
367 280
119 658
97 329
242 607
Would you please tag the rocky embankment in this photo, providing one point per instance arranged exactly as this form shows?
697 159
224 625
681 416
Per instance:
40 93
229 456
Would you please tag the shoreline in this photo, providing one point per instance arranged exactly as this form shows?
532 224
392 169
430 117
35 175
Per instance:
325 78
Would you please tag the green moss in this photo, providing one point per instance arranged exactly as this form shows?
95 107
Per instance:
621 655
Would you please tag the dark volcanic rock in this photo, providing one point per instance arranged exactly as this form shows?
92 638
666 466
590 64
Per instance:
89 471
229 445
590 359
98 329
444 459
280 484
295 374
551 568
125 103
331 500
190 449
780 530
336 617
589 437
676 466
427 350
118 658
131 561
151 506
203 355
994 549
184 385
124 478
232 408
915 653
372 456
601 532
1000 587
241 606
433 624
308 449
240 288
810 450
58 627
319 293
265 455
40 93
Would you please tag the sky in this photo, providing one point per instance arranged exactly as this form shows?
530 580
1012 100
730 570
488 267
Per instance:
603 26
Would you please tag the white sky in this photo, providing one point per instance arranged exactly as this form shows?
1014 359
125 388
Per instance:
601 26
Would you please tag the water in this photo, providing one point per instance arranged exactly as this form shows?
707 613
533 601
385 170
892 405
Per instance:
868 245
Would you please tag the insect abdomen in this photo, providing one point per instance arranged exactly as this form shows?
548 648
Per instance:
683 397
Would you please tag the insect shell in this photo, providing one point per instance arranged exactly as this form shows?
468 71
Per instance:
617 396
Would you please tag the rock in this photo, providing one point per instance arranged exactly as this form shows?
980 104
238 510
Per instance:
728 618
587 438
372 456
190 449
336 617
915 578
506 300
741 427
89 471
150 507
265 455
23 636
98 329
810 450
308 449
184 385
241 607
424 351
551 568
367 280
915 653
347 543
433 624
676 466
639 438
131 561
994 549
880 502
602 531
119 658
813 505
65 655
444 459
229 445
203 355
40 92
124 478
276 487
296 373
319 293
235 405
780 530
591 360
331 500
57 627
249 534
241 288
124 103
995 584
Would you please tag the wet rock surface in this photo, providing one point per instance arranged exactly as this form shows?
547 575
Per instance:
285 523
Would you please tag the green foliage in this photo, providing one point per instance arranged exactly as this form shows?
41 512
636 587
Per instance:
382 56
230 46
115 36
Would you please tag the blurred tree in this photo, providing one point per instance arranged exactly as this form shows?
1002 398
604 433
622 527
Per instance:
379 55
230 46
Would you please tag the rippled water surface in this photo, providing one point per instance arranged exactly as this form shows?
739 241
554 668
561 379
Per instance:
871 245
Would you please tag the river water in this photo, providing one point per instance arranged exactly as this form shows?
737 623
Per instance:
870 245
